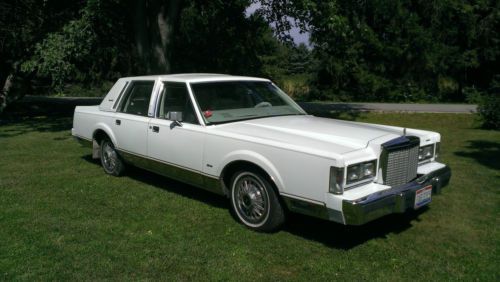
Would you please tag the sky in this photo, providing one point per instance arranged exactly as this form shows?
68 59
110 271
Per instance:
294 32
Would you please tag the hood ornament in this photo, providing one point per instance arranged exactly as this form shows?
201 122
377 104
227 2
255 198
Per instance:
404 131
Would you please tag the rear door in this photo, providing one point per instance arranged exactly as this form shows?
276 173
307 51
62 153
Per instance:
131 120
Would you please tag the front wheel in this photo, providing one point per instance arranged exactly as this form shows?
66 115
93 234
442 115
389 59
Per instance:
110 160
255 202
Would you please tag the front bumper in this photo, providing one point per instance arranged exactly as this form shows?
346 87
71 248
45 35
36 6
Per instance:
396 200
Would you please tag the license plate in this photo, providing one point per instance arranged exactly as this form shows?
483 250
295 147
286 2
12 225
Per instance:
423 196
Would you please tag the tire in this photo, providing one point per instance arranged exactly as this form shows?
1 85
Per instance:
110 160
254 201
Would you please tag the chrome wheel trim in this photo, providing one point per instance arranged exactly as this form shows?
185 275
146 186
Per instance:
250 199
109 156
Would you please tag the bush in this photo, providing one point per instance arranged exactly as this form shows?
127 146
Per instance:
489 111
489 105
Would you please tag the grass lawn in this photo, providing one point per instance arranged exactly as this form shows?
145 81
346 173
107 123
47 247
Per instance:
62 218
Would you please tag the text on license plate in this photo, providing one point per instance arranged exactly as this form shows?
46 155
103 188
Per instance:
423 196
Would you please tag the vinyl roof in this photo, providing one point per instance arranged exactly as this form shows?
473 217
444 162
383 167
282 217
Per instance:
195 77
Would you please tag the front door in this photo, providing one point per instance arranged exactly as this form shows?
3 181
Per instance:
177 147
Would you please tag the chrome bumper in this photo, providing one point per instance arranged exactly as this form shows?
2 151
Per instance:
396 200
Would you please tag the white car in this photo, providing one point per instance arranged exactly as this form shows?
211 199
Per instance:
244 138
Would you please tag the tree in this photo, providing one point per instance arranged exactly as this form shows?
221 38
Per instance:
216 36
154 25
397 50
22 24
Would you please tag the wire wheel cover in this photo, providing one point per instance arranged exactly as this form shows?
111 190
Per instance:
109 156
251 199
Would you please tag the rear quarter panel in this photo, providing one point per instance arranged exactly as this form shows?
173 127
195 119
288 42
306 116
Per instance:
88 119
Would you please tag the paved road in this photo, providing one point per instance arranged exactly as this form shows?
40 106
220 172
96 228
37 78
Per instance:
309 106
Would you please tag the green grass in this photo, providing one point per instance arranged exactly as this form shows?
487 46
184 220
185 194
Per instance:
62 218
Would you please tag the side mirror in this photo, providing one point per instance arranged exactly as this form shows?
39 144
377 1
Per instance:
174 116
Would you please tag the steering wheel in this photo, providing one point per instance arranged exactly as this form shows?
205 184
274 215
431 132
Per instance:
263 104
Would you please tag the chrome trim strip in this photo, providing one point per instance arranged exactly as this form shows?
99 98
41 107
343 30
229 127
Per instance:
301 198
305 207
312 208
183 174
167 163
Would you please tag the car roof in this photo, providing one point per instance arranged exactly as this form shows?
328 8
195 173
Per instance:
195 77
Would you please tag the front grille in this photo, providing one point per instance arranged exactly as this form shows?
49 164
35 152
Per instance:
401 162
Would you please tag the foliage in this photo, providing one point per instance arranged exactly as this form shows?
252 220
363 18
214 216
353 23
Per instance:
83 51
81 90
381 50
489 111
489 106
23 23
215 36
398 50
57 55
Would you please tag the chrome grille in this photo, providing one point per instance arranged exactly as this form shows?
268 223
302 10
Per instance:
400 161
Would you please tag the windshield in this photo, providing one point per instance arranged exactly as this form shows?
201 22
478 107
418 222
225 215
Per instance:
226 101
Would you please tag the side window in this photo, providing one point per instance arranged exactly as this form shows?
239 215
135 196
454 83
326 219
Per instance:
175 98
120 95
136 100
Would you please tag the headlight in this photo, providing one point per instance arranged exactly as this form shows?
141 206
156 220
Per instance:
361 171
336 180
425 152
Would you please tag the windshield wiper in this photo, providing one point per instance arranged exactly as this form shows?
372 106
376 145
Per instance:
249 117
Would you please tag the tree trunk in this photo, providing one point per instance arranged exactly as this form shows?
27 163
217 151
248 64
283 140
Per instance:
6 89
15 86
154 24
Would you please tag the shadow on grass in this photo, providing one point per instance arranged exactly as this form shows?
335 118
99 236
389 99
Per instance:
487 153
39 124
42 114
330 234
344 237
170 185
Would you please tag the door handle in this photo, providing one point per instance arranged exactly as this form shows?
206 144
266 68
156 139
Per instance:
118 122
156 129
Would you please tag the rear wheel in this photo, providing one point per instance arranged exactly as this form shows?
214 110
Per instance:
110 160
255 202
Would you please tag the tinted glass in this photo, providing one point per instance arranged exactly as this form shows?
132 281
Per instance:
136 101
226 101
175 98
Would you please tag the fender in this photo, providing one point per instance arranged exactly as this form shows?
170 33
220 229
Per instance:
96 148
257 159
104 127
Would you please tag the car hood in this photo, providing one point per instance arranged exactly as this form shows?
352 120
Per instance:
305 131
